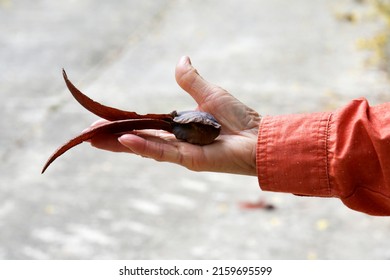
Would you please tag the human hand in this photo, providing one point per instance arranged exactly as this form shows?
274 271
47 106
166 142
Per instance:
234 151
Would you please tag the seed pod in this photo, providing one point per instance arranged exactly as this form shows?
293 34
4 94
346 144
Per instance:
195 127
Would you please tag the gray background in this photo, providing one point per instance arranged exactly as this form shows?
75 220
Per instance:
277 56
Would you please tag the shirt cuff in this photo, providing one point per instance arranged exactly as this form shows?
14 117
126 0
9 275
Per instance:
292 154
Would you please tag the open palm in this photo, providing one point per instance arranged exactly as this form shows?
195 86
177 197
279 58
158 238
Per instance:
234 151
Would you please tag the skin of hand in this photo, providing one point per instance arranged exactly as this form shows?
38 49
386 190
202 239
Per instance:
234 151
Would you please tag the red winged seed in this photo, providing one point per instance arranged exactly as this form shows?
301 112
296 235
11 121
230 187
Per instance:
106 112
121 126
194 127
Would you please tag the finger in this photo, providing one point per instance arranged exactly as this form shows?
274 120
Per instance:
158 150
108 142
155 135
97 123
189 79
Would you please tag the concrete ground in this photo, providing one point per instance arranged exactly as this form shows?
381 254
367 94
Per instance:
278 57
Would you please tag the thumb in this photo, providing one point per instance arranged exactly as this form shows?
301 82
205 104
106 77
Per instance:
189 80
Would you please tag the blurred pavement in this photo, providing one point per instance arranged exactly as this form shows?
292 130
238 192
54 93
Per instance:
278 57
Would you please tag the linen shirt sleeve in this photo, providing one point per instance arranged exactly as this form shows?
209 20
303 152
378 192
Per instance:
343 154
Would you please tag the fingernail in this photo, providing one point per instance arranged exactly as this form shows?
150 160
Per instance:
185 60
124 140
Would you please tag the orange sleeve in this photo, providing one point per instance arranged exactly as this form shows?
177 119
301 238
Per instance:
343 154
